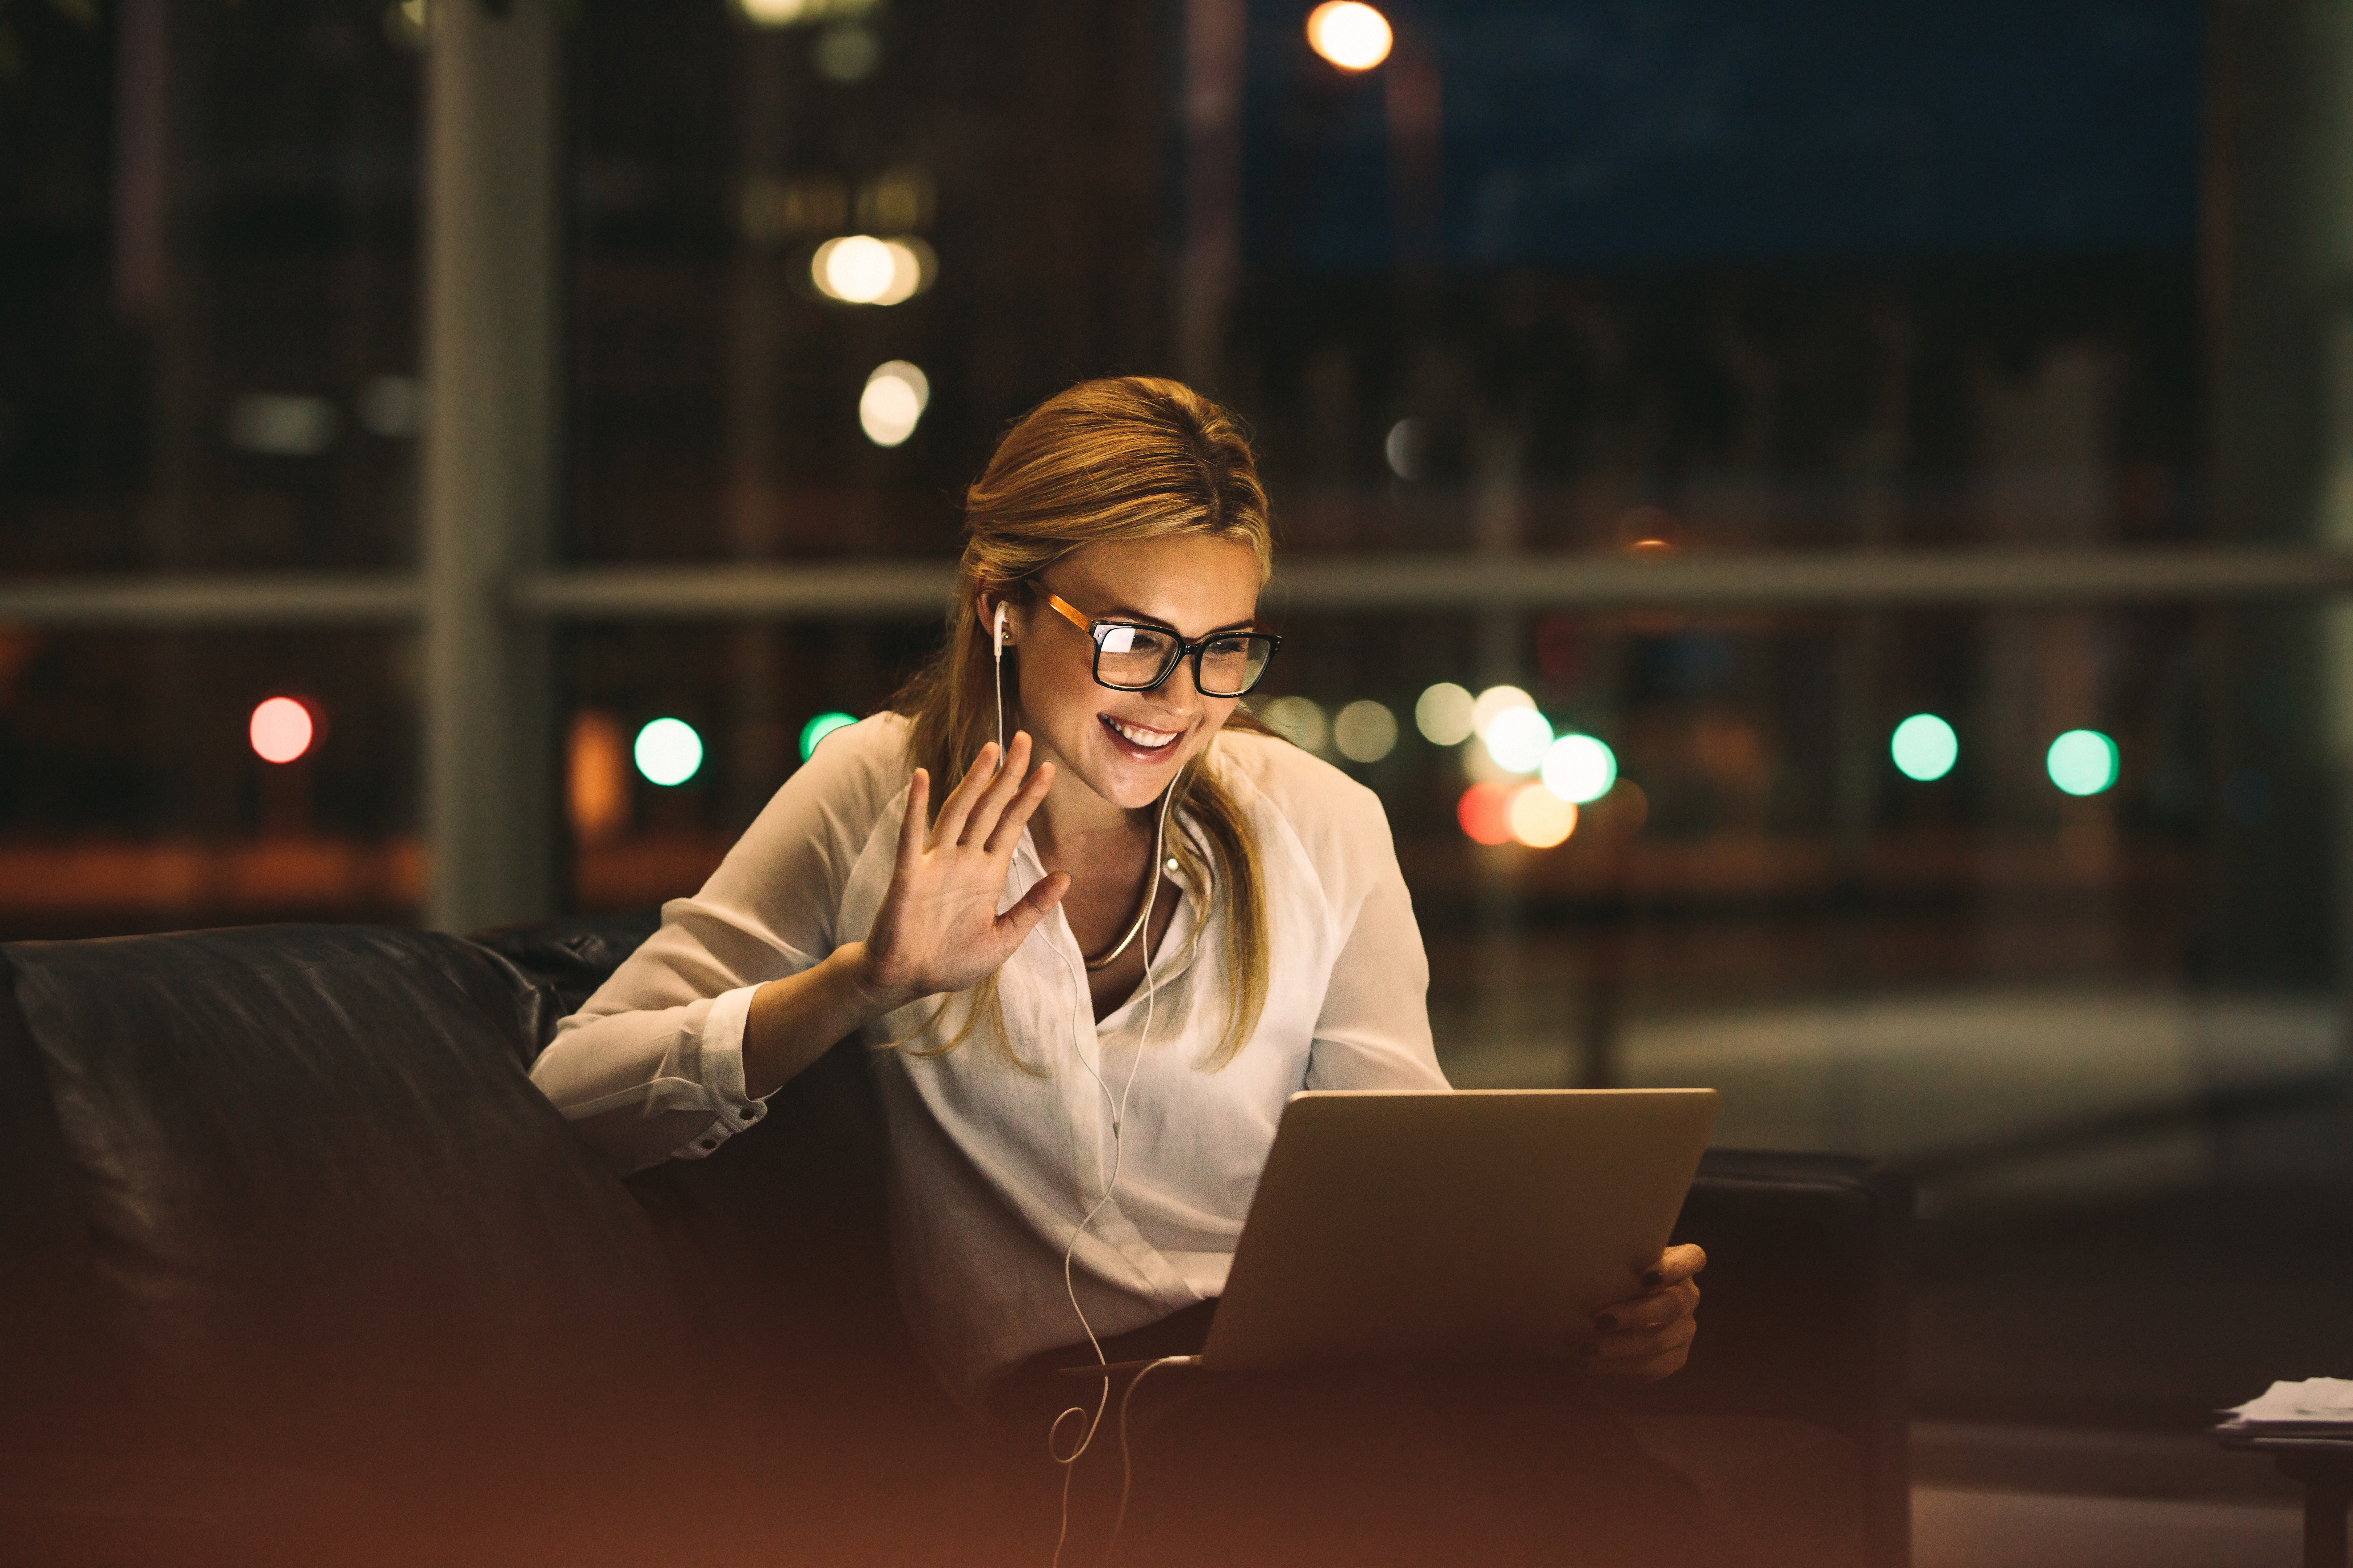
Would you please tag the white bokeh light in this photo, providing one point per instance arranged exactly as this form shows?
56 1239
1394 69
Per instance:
803 13
1516 738
1443 714
847 54
1493 703
1352 36
1580 769
282 425
1365 732
895 397
1404 448
668 751
859 270
856 267
1300 719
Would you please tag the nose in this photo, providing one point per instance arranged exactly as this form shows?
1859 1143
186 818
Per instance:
1174 689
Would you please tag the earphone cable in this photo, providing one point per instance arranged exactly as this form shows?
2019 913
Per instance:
1118 1106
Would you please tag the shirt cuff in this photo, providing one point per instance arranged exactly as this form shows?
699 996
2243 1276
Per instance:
723 1071
722 1048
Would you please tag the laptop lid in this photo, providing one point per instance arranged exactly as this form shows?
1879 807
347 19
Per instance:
1470 1225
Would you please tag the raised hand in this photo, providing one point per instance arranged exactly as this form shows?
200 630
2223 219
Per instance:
938 929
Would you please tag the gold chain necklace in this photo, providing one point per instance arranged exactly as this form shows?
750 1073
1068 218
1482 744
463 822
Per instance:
1142 914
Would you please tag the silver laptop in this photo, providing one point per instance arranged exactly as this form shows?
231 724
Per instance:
1471 1225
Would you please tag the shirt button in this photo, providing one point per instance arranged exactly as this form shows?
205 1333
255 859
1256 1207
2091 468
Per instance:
711 1142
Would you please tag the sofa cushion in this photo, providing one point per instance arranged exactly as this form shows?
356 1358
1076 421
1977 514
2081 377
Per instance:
321 1208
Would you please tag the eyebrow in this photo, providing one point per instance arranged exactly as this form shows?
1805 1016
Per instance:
1129 613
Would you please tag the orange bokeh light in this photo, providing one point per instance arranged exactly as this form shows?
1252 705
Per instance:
1539 818
280 729
1485 813
597 778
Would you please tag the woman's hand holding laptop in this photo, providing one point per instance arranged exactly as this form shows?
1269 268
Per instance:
1647 1338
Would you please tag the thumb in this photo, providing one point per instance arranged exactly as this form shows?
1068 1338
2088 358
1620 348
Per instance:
1043 895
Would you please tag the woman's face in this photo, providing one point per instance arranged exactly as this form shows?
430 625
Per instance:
1126 746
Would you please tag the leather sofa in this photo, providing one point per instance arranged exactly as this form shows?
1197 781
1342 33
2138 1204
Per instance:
296 1266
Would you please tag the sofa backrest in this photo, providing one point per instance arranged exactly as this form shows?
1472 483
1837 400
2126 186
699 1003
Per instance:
782 1237
290 1187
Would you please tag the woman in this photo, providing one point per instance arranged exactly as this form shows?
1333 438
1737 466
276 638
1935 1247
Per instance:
1093 975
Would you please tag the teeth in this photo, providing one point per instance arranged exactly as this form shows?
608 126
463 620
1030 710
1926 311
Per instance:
1147 738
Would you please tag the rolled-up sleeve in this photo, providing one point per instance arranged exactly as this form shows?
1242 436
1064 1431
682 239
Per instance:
650 1084
651 1067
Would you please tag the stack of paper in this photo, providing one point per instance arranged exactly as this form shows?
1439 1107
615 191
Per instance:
2317 1408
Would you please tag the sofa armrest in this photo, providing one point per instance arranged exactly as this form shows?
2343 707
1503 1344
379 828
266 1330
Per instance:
1804 1313
561 962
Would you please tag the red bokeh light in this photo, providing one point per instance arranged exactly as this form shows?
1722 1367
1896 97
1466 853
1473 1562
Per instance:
1485 813
280 729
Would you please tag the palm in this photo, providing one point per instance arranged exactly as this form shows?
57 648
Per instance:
938 929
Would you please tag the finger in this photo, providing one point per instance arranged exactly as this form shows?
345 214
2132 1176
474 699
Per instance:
911 827
1675 1263
1645 1338
1618 1352
982 820
1020 920
949 828
1658 1307
1014 926
1016 815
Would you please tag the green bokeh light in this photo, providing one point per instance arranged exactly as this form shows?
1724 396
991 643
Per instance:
1925 748
2083 761
818 728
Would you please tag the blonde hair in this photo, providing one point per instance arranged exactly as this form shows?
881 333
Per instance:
1126 459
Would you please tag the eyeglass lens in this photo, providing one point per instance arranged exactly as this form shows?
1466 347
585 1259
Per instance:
1138 657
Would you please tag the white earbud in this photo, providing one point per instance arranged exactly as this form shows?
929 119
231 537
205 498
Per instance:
996 645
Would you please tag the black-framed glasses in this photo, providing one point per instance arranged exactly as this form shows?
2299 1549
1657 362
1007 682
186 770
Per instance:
1133 657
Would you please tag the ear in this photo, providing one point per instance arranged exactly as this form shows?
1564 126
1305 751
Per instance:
993 611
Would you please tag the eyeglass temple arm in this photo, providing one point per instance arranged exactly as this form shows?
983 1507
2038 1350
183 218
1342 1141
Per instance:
1064 610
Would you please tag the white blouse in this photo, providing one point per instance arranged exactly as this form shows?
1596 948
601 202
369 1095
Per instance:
991 1166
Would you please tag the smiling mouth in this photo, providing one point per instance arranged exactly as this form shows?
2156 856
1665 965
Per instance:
1139 737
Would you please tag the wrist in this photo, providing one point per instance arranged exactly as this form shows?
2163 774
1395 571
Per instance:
875 991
